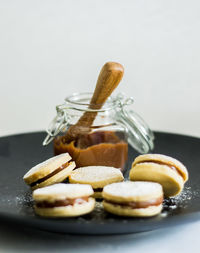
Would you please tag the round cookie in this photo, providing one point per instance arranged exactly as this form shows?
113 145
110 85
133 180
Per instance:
97 177
167 171
136 199
51 171
63 200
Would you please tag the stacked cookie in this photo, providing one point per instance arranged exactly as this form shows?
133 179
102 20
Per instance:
97 177
152 177
138 199
52 171
64 200
167 171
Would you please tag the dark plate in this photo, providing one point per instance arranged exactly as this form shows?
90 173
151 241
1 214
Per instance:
19 153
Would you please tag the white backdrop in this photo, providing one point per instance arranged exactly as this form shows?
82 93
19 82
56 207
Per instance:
52 48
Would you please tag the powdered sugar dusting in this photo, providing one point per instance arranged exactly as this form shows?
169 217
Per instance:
39 166
95 174
133 189
185 195
180 201
61 191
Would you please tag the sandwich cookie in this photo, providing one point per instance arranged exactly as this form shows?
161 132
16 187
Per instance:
63 200
136 199
51 171
97 177
167 171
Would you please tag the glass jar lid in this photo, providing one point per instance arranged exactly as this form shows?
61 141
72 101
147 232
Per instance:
140 136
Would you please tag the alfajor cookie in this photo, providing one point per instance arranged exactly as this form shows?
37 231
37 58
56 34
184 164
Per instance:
137 199
97 177
167 171
51 171
63 200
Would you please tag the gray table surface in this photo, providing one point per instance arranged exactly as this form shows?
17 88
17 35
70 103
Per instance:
182 238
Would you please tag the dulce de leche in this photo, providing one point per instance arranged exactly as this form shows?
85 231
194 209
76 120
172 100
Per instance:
104 148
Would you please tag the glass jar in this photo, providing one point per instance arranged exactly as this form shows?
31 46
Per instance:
104 140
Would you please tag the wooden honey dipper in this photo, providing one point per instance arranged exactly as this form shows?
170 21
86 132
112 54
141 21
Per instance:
109 78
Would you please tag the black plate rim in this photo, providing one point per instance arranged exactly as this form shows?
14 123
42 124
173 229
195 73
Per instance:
35 223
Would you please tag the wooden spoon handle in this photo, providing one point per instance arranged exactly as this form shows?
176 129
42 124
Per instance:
109 78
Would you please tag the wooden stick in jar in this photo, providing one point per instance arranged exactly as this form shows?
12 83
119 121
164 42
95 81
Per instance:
109 78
